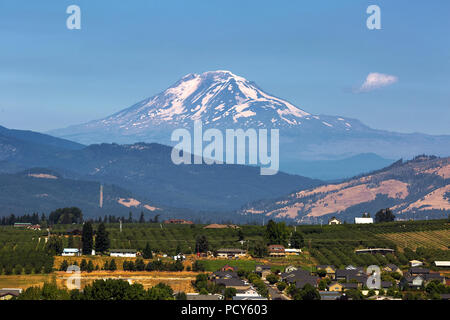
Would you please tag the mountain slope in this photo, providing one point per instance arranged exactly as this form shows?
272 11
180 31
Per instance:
42 190
147 171
414 188
222 100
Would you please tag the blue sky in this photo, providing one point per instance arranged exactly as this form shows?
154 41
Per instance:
312 53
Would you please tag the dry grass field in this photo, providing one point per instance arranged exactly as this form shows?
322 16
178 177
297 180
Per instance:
179 281
437 239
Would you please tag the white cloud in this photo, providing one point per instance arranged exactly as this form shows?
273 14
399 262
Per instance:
377 80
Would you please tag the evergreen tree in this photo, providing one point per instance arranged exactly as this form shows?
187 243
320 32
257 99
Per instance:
87 238
83 265
147 253
102 240
64 266
112 265
384 215
297 240
201 244
90 266
142 218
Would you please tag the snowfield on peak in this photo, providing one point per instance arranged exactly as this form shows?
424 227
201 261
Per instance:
214 97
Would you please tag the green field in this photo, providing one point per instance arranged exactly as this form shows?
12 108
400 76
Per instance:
23 251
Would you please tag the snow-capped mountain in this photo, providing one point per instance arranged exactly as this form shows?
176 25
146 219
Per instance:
224 100
217 98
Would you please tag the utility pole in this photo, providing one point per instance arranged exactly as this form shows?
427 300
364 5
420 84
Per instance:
101 196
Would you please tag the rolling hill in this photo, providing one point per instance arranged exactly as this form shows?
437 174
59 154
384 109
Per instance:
418 188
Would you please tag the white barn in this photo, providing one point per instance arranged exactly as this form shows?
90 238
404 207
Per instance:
126 253
71 252
363 220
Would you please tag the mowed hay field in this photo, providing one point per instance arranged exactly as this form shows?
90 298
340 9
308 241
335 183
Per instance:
24 281
436 239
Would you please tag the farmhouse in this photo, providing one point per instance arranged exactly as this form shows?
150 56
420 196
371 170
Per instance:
70 252
277 250
127 253
230 253
333 221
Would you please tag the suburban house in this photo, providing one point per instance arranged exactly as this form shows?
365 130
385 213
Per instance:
126 253
350 285
262 270
360 270
224 275
296 274
196 296
22 224
230 253
410 281
442 264
334 220
351 276
301 282
236 283
386 285
363 220
418 271
300 278
329 269
392 268
276 250
415 263
71 252
335 286
9 293
292 252
249 294
290 269
434 276
177 221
